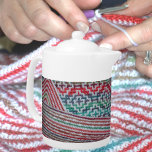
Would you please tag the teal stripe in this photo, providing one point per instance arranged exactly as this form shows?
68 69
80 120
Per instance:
134 86
38 94
114 144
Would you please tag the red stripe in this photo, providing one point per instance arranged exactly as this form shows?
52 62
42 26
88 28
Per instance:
14 132
146 147
34 149
46 90
37 71
126 18
21 141
65 126
50 93
57 43
21 74
99 87
133 91
16 99
129 132
133 114
58 101
5 114
24 75
9 116
24 107
89 35
38 106
125 102
18 69
130 122
19 124
134 144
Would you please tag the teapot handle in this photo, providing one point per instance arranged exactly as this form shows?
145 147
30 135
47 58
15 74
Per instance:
29 90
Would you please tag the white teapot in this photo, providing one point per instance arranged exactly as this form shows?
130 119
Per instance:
76 94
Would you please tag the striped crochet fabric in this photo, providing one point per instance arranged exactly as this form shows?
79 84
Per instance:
131 111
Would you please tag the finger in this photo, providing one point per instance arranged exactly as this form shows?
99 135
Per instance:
12 33
89 4
106 29
140 33
71 13
25 26
43 18
133 10
143 47
141 54
142 68
109 30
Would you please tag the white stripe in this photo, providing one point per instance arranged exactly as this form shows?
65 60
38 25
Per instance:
137 81
125 116
18 129
29 145
35 124
14 104
125 125
127 143
125 97
141 145
6 136
137 110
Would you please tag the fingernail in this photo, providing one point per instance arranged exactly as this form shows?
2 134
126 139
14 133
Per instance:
82 27
106 45
96 27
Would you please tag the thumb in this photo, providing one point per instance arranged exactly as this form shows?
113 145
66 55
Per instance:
140 33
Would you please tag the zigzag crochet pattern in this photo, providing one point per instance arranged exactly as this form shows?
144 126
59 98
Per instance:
131 103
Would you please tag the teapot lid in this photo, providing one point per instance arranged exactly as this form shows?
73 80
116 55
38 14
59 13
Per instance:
77 44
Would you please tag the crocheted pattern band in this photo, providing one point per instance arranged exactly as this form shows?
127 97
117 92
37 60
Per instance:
76 111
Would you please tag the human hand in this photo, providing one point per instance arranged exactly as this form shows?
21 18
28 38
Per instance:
25 20
141 34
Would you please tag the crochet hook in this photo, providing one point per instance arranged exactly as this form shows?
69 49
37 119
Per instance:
113 9
91 13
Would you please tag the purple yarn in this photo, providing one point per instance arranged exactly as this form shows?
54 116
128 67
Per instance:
89 13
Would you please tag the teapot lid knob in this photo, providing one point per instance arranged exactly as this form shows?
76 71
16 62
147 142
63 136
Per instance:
78 35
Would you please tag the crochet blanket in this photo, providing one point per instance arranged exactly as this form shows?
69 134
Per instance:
131 111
